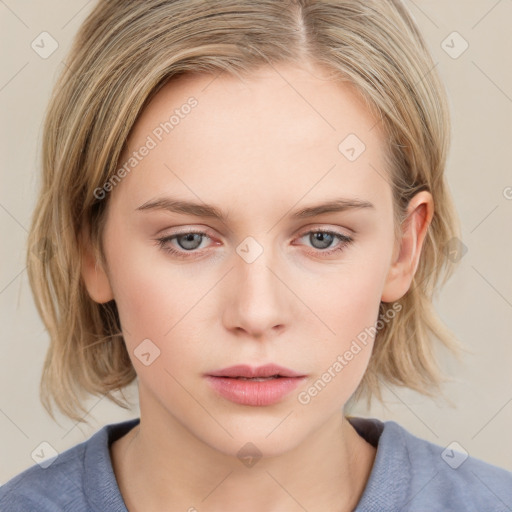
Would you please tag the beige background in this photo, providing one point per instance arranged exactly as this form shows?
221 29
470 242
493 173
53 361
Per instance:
476 303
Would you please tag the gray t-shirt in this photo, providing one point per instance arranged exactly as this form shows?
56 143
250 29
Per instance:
409 474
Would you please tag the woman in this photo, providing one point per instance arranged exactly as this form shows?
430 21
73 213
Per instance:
247 211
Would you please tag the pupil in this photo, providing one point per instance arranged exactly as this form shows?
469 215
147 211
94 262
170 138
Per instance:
326 238
189 239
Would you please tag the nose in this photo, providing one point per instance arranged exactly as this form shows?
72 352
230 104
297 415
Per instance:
258 300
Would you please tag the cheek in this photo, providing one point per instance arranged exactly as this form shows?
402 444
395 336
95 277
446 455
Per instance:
163 302
150 292
146 303
357 304
349 306
348 299
341 358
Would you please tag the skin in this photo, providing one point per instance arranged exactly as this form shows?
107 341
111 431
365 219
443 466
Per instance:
258 149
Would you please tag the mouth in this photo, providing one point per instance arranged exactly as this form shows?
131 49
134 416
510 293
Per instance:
244 385
258 379
268 371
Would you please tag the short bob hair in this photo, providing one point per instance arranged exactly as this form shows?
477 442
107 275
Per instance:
124 52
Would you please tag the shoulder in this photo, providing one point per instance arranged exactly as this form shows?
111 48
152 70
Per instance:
448 477
76 480
411 474
42 487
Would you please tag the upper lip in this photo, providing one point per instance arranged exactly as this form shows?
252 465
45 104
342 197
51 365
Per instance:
244 370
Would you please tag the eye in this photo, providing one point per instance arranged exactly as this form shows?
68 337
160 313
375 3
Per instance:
188 241
323 239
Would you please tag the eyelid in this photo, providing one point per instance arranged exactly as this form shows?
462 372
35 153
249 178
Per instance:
343 240
188 229
203 230
327 228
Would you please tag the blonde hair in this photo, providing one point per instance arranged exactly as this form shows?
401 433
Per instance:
124 52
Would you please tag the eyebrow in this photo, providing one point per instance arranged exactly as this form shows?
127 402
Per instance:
205 210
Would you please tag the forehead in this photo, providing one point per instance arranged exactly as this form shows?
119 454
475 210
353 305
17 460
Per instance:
282 130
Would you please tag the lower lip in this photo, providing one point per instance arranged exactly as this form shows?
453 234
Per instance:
248 392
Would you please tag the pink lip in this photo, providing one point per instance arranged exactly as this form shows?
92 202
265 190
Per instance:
256 393
244 370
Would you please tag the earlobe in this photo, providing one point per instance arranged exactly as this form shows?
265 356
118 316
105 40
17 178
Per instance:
404 265
94 276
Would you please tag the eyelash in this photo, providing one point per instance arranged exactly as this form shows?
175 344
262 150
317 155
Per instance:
344 239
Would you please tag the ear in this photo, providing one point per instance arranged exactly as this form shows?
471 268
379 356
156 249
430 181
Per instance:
403 266
93 273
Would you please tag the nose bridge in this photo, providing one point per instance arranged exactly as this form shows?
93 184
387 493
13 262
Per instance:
258 299
253 263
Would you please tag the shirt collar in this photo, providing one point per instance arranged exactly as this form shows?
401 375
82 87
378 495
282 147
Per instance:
384 491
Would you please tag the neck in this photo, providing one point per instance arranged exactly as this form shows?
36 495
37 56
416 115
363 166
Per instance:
162 466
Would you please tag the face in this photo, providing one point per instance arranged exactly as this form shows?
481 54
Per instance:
253 274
